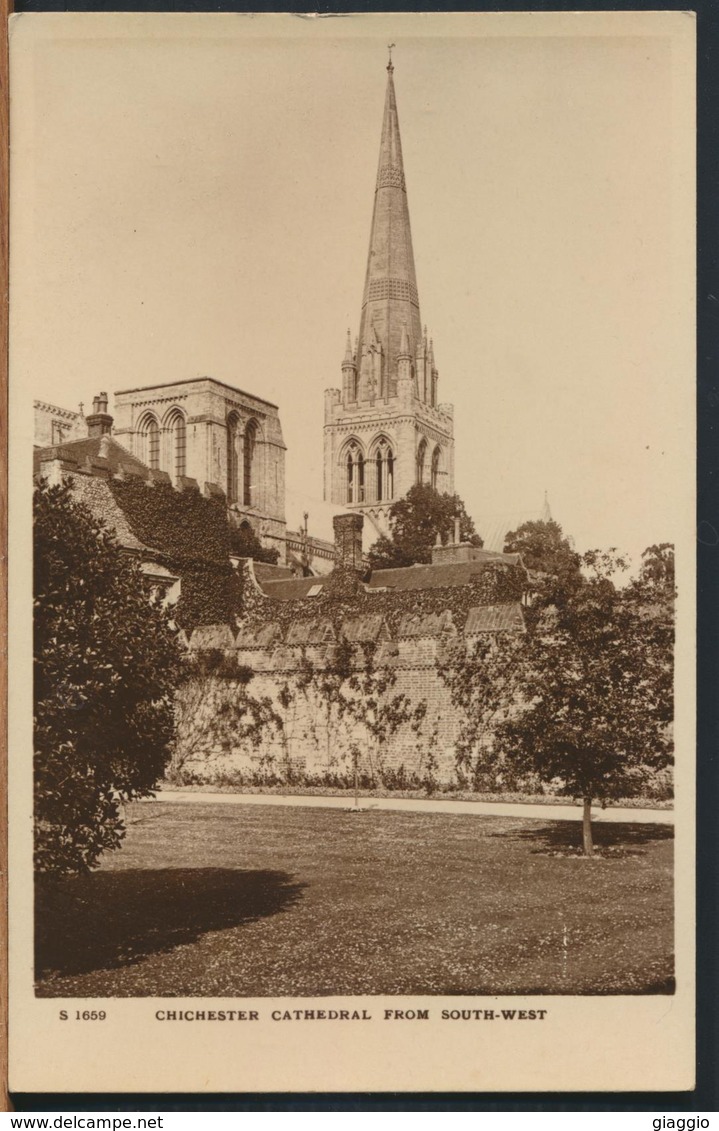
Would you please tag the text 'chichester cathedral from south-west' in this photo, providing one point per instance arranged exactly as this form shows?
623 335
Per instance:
385 429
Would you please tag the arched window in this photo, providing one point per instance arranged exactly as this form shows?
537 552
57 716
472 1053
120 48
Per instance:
150 442
421 460
434 476
384 471
178 445
233 463
354 465
249 463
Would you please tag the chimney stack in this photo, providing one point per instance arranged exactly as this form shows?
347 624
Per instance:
99 423
348 542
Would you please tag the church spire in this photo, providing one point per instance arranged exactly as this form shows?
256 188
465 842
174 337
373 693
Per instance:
390 302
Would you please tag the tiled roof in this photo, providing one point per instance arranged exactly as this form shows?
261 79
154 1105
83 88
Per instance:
99 499
426 624
211 636
495 618
263 637
290 590
369 627
265 571
311 632
433 576
81 450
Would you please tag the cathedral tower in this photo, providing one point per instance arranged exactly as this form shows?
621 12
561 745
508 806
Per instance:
384 429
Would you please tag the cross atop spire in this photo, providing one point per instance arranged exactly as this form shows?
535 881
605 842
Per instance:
390 65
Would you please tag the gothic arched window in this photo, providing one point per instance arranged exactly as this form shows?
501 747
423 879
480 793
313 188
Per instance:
150 442
354 466
384 471
434 475
249 462
233 462
421 460
176 426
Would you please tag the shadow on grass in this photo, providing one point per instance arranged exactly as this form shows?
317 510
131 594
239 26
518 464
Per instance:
110 919
559 835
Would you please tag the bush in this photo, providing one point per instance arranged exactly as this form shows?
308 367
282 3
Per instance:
106 666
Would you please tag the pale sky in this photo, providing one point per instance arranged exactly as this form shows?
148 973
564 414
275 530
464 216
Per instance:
192 196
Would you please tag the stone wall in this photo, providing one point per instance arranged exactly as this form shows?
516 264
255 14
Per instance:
290 656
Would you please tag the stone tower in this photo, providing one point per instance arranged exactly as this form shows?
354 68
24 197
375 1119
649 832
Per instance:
384 429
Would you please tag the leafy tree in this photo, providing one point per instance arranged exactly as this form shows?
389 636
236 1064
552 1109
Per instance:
415 521
549 555
106 665
584 700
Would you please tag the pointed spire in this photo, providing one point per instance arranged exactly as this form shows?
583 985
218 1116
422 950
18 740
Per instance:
390 300
348 358
546 513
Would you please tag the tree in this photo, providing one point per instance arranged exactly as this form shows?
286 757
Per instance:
415 521
585 700
106 665
549 556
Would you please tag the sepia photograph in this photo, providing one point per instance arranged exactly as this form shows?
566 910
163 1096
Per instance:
351 385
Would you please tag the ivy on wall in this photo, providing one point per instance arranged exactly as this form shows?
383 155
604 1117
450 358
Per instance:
343 597
191 534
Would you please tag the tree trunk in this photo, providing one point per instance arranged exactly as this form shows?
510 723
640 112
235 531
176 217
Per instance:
356 769
587 843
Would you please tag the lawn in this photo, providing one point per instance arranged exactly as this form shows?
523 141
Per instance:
251 901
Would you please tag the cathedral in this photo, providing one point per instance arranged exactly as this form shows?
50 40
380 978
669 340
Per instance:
385 429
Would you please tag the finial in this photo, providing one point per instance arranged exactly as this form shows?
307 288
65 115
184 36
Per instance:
390 66
82 406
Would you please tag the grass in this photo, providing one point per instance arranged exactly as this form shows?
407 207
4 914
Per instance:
252 901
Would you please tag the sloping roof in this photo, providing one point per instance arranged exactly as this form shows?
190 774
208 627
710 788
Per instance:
263 637
426 624
265 571
310 632
211 636
433 576
89 449
372 626
290 590
495 618
99 499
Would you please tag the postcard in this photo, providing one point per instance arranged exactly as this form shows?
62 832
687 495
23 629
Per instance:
352 446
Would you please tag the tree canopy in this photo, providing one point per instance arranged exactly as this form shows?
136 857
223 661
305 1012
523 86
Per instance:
415 521
584 699
548 554
106 664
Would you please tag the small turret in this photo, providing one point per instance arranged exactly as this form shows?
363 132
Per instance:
349 373
404 361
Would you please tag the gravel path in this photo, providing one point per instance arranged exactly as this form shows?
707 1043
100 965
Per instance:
428 805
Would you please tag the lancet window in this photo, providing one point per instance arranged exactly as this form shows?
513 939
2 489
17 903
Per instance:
150 442
355 469
178 443
233 460
249 462
384 471
421 461
434 474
